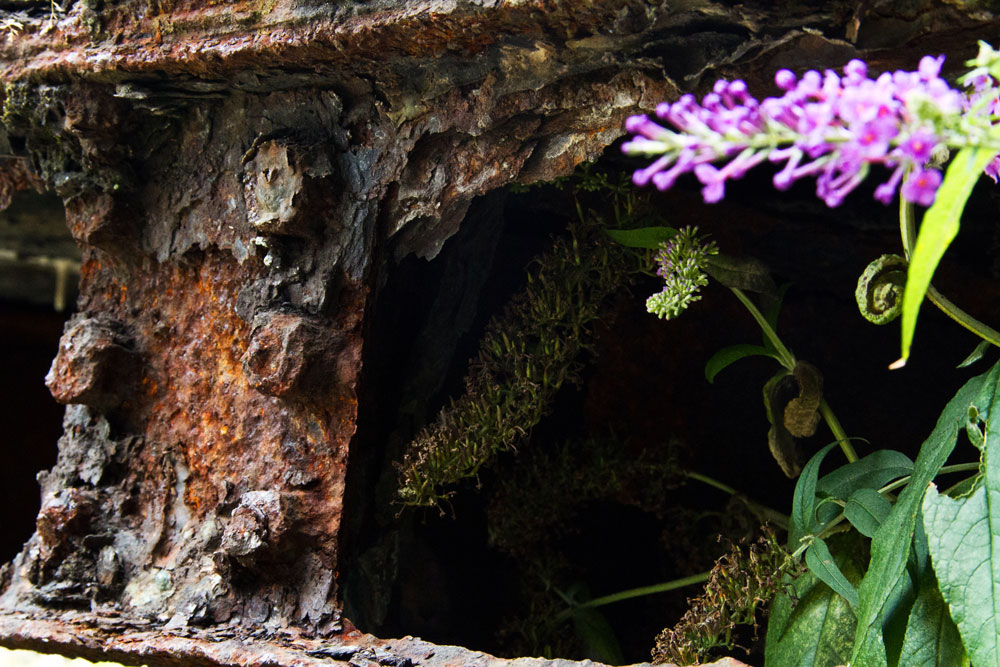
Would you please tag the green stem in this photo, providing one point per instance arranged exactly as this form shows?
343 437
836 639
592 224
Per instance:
838 431
958 467
636 592
711 481
760 511
908 231
787 360
833 525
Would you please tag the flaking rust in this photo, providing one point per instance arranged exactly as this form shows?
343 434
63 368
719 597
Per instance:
241 177
229 478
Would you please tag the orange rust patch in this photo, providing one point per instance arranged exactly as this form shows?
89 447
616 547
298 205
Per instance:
195 398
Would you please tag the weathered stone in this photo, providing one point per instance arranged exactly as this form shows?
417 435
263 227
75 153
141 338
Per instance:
63 515
113 637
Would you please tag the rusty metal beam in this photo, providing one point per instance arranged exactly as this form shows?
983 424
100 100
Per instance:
240 178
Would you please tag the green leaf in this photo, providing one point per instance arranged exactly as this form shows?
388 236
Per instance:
646 237
931 638
898 607
732 354
891 545
809 624
964 487
976 354
774 308
871 472
820 562
866 509
804 499
963 536
596 635
592 629
937 230
743 273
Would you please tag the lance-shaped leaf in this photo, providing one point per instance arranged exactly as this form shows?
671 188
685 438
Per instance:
976 354
871 472
816 629
931 639
820 562
937 230
804 498
646 237
866 509
744 273
891 544
729 355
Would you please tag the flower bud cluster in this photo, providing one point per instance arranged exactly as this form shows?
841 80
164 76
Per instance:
830 126
680 262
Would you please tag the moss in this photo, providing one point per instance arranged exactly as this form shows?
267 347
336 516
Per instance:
537 501
34 118
527 355
90 17
530 351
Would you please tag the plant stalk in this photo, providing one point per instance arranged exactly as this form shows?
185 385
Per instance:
787 360
908 231
636 592
760 511
838 431
958 467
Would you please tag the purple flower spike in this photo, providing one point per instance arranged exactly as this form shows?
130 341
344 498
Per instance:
634 124
827 125
993 169
784 79
738 91
714 182
887 191
920 145
871 140
930 67
856 70
921 186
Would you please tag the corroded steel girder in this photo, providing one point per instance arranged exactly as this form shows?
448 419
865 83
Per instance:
238 176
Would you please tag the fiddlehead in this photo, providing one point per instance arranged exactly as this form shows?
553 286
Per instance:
880 289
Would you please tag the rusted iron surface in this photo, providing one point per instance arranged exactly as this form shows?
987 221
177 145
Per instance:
95 365
240 177
110 637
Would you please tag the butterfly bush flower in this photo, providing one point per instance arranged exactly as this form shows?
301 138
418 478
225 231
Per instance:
830 126
681 262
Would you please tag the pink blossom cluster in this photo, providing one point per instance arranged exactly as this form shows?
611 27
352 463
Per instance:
830 126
